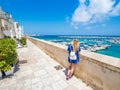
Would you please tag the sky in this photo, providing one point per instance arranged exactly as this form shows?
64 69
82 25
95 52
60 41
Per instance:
66 17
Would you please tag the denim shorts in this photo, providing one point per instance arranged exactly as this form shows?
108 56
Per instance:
73 61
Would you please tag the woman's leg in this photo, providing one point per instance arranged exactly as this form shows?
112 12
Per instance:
69 71
72 69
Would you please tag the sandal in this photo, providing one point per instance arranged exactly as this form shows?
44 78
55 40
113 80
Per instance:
67 77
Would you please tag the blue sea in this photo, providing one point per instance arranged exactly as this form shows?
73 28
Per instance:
89 42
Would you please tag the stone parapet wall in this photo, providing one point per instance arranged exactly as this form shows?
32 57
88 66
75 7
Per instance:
101 72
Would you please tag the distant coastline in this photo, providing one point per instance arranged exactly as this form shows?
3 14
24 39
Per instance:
92 36
102 36
107 45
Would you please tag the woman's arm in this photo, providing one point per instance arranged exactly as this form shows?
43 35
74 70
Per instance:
79 53
68 53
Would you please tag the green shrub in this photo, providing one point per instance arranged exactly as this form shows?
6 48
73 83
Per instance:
23 41
14 36
8 54
7 37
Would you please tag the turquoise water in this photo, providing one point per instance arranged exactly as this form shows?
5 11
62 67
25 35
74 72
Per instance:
114 51
87 41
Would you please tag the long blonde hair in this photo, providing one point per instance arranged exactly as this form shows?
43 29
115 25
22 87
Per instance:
75 45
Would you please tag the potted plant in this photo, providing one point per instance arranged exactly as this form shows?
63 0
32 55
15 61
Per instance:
1 62
23 41
0 75
9 70
8 55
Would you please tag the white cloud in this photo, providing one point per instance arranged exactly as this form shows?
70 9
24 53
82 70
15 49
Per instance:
95 11
75 25
116 11
67 19
81 14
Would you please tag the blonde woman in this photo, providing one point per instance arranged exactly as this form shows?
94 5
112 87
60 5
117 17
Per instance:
73 57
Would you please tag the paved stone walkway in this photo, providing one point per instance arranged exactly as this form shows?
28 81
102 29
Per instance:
37 72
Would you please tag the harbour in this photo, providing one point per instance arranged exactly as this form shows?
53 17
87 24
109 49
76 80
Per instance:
100 44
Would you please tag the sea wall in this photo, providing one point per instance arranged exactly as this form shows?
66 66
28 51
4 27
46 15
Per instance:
101 72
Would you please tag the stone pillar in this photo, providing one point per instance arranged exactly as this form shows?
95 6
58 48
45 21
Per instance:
20 32
11 33
1 28
16 29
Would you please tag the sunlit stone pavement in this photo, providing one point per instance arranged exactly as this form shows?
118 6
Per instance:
38 73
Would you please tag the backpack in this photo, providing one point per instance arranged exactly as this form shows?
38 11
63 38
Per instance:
73 54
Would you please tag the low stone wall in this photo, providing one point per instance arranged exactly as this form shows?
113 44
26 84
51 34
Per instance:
101 72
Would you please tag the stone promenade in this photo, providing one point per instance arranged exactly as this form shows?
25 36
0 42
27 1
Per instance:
37 72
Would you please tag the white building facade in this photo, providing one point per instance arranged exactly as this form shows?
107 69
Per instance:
18 30
8 27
